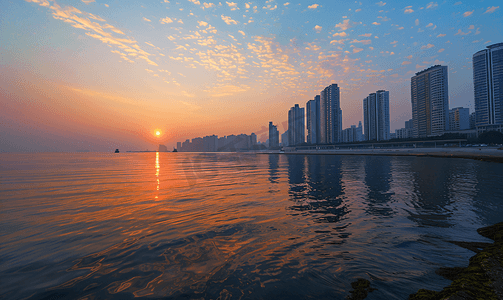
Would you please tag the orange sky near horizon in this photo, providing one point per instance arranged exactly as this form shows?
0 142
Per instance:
97 75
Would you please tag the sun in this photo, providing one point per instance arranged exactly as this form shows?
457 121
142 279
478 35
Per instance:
158 132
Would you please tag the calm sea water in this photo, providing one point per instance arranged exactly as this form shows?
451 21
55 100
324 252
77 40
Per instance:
236 226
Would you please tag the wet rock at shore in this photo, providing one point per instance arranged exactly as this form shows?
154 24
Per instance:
361 288
482 279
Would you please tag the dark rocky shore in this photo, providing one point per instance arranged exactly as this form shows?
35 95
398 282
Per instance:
482 279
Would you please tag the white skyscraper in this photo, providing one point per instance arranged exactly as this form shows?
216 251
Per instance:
430 102
488 87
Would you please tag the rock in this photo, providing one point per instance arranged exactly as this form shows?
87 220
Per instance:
361 288
482 279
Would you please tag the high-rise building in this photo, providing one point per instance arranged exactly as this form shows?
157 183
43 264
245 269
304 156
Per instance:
210 143
179 146
273 136
313 120
296 125
330 115
430 101
376 116
253 139
459 118
488 87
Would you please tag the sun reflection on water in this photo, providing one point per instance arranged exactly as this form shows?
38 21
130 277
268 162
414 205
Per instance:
157 167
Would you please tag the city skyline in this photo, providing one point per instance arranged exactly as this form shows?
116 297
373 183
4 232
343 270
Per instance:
100 75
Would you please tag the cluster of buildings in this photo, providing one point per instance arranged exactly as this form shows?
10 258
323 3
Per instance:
431 115
320 123
214 143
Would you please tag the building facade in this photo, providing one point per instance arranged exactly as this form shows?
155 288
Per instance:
376 116
330 115
296 126
353 134
273 136
430 102
459 118
488 87
313 120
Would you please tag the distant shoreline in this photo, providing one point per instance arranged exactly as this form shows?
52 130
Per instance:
478 153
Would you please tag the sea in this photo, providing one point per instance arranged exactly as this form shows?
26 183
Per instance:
237 225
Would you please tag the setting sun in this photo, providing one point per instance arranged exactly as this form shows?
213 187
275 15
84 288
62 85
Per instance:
158 132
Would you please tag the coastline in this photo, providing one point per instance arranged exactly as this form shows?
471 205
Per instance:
478 153
482 279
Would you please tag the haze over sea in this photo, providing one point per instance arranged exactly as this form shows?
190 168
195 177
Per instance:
236 226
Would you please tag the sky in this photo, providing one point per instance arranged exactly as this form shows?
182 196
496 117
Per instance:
98 75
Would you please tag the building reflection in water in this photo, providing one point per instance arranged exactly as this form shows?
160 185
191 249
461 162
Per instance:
377 180
430 199
273 168
315 186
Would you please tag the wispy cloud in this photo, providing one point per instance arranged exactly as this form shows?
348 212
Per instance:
441 35
380 3
356 50
468 13
365 42
366 34
491 9
345 25
317 28
428 46
314 6
408 10
341 42
228 20
145 19
166 20
406 63
375 23
460 32
341 34
431 5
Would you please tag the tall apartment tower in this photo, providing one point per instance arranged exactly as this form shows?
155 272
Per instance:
273 136
488 86
376 116
313 120
330 115
296 126
430 102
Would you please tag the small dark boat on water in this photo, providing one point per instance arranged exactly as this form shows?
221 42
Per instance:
175 150
116 150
